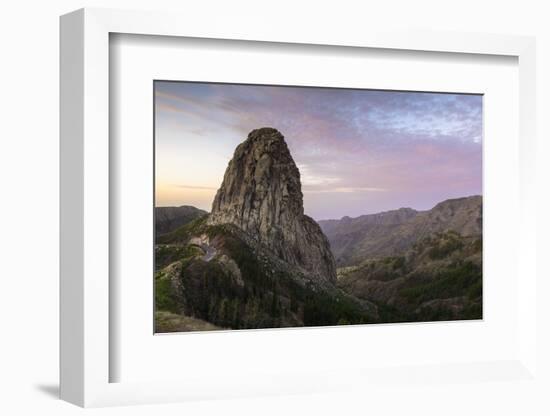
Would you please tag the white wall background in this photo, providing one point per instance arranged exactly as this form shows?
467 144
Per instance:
29 205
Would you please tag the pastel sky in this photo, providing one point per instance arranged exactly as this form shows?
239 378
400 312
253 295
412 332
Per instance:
358 151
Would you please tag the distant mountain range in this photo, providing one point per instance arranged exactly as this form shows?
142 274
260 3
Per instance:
170 218
390 233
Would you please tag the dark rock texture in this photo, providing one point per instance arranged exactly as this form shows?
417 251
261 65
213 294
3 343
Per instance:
261 194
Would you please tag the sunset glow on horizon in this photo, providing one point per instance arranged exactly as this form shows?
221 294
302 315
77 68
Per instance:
358 151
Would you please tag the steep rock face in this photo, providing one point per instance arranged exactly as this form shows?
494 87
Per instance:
261 194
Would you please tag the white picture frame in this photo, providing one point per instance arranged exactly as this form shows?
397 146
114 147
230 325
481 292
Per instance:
85 209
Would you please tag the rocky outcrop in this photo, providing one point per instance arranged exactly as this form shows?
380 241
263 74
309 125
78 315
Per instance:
261 195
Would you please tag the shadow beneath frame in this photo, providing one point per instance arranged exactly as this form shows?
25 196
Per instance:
51 390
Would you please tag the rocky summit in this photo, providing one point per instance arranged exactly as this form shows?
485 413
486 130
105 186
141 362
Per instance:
261 194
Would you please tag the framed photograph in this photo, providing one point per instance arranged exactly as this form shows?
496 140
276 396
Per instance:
235 247
269 213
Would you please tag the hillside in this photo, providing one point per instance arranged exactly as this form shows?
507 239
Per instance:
354 240
168 219
438 278
223 278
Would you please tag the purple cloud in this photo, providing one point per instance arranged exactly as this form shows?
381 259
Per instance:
359 151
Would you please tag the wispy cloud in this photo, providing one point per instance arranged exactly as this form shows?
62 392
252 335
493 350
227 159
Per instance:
201 188
345 190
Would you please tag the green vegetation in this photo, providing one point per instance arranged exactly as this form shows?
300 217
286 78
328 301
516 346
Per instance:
263 296
440 245
475 291
440 278
182 234
167 254
398 263
171 322
452 282
327 309
165 298
250 290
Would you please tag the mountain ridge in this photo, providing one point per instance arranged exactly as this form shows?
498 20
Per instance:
168 219
392 232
